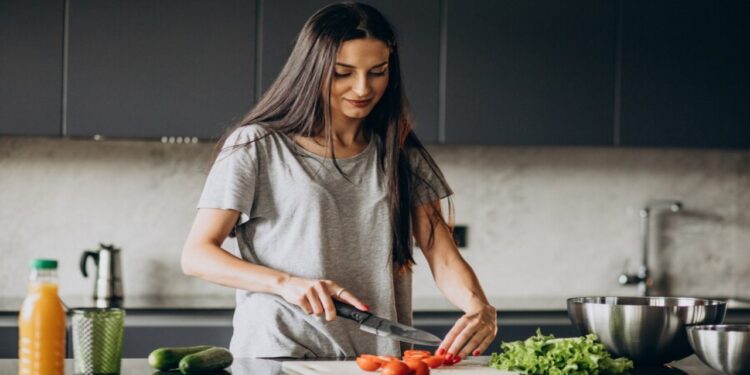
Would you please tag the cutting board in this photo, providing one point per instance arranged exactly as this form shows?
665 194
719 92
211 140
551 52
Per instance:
469 366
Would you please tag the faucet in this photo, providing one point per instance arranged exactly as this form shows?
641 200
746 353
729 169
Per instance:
643 278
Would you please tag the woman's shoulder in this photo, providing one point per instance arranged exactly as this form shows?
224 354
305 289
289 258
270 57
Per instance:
246 134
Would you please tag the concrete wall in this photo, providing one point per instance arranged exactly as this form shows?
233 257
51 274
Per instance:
542 221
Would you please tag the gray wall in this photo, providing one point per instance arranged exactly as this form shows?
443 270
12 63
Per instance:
542 221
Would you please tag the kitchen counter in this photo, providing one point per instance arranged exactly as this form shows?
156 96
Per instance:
184 321
226 302
246 366
139 303
537 304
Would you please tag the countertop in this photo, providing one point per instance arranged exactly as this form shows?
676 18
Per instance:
246 366
226 302
144 303
203 302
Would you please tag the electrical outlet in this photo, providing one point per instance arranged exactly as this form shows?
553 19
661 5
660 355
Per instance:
459 235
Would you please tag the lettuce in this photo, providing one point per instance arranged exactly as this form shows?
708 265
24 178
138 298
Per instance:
547 355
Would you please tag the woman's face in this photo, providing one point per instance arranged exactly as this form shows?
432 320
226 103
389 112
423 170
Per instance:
360 78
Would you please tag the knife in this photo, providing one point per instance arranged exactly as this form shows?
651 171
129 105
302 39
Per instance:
376 325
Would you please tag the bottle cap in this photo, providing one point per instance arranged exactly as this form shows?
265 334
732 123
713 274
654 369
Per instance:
44 264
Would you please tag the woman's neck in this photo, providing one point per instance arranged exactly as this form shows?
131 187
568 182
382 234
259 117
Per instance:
348 139
347 132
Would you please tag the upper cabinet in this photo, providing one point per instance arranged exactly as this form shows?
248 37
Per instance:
643 73
417 25
142 68
685 79
31 60
530 72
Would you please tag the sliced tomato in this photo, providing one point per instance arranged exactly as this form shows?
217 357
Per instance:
415 356
396 367
434 361
376 358
369 362
418 367
387 358
416 352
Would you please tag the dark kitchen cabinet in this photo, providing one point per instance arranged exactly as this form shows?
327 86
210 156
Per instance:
685 79
530 72
140 341
417 24
31 61
141 68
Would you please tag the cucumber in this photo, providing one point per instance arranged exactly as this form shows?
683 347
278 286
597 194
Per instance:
209 360
169 358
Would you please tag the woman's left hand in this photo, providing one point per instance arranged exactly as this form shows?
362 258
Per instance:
471 334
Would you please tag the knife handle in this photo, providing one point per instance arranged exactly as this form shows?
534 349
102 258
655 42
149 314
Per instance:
348 311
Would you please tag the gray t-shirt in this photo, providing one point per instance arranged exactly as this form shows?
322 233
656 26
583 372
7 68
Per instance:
299 215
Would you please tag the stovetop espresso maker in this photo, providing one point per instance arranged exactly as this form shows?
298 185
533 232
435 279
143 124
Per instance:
108 285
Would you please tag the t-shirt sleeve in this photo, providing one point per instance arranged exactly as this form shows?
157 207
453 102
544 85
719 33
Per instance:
428 182
231 182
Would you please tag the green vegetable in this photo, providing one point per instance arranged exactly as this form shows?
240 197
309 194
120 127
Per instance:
209 360
169 358
547 355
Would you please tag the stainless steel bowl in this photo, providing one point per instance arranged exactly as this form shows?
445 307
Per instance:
724 347
648 330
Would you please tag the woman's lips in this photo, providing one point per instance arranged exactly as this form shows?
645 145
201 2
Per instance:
359 103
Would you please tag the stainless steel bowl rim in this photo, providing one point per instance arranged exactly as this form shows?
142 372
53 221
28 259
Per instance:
739 328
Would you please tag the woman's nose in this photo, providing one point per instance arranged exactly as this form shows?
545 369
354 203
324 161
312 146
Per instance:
361 86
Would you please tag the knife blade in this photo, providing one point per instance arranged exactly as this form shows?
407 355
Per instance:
376 325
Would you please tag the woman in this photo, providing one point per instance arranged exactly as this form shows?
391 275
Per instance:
324 184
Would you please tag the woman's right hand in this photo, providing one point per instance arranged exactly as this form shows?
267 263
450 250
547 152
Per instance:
316 296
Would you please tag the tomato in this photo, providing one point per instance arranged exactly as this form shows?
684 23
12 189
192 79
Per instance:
386 358
369 362
396 367
416 353
434 361
418 367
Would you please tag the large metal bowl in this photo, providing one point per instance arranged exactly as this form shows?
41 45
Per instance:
648 330
724 347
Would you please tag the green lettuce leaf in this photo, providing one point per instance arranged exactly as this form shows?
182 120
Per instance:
541 354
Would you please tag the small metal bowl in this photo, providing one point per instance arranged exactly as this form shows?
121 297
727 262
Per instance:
723 347
648 330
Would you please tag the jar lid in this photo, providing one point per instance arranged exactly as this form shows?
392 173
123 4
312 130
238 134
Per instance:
44 264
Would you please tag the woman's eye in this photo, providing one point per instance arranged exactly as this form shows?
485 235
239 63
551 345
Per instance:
341 75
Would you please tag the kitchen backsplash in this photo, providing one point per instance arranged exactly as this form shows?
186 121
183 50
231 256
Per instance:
542 221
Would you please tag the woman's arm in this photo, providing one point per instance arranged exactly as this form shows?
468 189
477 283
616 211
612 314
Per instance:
476 329
203 257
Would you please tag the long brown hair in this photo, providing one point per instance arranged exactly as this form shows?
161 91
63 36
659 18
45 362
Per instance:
297 103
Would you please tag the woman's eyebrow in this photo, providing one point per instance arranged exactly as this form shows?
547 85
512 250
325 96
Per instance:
352 66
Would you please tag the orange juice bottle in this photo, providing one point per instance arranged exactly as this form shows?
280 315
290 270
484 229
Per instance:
41 323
